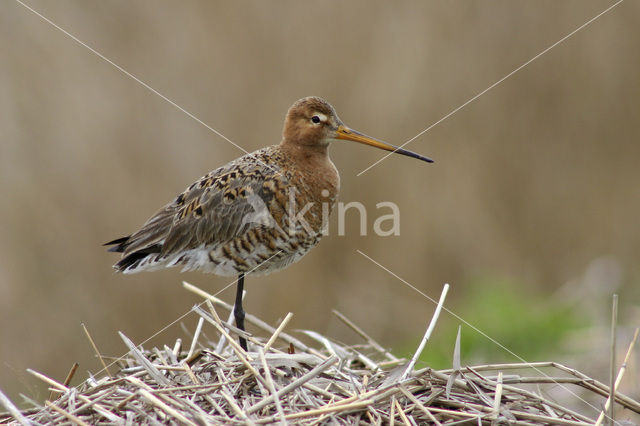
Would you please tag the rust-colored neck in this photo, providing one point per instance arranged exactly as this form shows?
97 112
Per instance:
302 152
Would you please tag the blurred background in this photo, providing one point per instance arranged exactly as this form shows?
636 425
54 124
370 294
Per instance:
530 211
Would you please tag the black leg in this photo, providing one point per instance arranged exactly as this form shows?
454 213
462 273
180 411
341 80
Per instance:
238 312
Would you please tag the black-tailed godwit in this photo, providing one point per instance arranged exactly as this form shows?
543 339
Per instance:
256 214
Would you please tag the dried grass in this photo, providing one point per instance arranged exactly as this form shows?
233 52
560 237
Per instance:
215 382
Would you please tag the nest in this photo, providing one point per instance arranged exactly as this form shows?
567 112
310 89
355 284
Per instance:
216 382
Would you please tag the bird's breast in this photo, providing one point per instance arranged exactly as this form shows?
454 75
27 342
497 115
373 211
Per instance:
316 187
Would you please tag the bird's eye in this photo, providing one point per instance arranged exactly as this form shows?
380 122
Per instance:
315 119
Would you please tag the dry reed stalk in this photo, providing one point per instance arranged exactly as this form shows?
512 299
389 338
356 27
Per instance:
334 384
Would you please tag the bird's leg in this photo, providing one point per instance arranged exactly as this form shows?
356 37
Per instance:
238 312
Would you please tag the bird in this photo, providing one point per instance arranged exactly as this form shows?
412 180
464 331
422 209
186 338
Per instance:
256 214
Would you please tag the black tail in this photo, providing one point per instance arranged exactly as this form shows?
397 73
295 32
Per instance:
132 260
120 244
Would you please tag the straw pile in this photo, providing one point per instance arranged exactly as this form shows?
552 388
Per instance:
218 383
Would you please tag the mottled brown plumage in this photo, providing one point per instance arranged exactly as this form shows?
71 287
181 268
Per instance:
256 214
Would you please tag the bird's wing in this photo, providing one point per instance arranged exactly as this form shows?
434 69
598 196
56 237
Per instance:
218 207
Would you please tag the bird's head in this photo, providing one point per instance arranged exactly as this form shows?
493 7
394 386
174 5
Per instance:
312 123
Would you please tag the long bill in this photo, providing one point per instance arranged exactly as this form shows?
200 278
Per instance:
348 134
